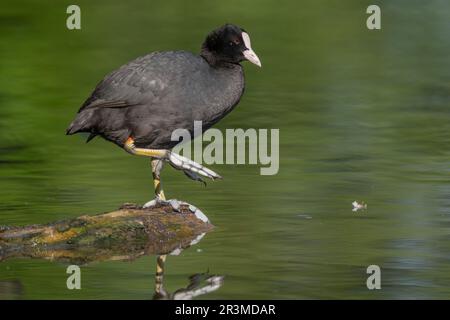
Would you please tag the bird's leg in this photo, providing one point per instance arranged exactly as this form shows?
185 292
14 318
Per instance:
191 168
154 153
160 292
157 165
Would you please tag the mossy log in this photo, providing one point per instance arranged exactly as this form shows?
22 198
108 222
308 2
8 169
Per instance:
124 234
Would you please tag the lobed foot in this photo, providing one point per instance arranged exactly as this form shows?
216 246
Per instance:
176 205
191 168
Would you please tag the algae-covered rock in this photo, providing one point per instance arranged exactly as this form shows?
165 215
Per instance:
123 234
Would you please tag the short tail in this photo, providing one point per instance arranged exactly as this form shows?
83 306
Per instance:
82 123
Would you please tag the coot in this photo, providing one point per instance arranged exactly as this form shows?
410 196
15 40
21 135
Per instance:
139 105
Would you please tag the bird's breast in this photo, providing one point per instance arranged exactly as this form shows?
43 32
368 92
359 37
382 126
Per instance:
219 96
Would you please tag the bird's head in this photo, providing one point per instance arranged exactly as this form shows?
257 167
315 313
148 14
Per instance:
228 44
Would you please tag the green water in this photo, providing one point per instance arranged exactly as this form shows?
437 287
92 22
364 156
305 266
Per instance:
363 115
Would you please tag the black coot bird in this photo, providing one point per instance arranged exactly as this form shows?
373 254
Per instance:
139 105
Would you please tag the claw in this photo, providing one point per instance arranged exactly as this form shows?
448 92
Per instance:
194 176
194 168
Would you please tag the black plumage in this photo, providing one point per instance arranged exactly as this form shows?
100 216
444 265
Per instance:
151 96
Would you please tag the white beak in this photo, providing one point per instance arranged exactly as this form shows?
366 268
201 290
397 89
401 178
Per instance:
249 54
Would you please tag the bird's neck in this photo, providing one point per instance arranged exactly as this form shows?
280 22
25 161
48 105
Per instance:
214 60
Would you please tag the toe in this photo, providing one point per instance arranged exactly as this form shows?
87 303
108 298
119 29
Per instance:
150 204
185 164
175 204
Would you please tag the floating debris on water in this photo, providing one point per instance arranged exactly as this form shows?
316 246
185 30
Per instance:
304 216
359 206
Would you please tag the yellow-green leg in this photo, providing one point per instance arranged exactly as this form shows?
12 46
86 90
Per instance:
191 168
156 169
160 292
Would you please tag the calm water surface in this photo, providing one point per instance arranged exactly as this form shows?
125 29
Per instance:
363 115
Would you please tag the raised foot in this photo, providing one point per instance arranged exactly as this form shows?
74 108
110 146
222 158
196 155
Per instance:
191 168
176 206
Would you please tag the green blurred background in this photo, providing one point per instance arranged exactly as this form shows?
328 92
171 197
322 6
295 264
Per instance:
363 115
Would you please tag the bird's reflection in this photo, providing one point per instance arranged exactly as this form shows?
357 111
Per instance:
199 284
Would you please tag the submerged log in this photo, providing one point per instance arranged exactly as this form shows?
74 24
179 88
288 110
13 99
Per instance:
123 234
